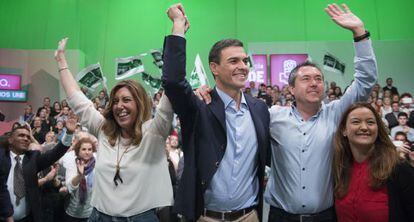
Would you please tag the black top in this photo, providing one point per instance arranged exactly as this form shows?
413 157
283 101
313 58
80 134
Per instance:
401 194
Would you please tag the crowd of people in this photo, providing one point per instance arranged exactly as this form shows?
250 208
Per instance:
334 155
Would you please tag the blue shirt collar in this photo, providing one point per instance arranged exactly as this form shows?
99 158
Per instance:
296 112
227 99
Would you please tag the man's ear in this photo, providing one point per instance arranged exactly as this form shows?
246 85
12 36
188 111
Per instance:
290 88
213 68
10 139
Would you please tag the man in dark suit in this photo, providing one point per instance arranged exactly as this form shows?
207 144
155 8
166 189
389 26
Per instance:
225 142
19 191
392 117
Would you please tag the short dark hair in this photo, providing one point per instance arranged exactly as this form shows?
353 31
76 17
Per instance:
401 133
21 126
294 72
215 51
402 114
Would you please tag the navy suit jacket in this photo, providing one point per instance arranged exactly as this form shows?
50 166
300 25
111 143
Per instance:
33 163
203 129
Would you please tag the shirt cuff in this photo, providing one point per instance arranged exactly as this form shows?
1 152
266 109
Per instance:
363 48
180 35
67 139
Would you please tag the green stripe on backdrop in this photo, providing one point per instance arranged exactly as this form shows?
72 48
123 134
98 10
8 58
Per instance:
107 29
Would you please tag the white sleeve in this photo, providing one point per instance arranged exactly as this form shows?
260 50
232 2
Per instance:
89 116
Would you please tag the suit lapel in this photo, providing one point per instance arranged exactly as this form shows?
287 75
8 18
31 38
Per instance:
217 108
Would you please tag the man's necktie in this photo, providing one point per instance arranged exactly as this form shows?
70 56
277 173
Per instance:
18 183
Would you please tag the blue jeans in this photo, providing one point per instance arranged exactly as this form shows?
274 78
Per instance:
147 216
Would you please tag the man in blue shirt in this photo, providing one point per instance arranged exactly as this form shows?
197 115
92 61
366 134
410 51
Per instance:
224 142
300 185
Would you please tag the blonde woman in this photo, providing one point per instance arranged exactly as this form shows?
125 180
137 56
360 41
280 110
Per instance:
131 173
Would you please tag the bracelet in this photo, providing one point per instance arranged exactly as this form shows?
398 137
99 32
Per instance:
61 69
361 37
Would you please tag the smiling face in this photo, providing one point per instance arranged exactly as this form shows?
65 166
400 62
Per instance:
124 109
232 71
361 128
174 141
37 122
19 140
308 87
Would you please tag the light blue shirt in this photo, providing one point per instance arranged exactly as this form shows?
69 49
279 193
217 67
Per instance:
235 184
302 151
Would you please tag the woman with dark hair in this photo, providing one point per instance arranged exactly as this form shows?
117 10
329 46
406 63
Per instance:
371 183
56 109
338 92
131 175
80 181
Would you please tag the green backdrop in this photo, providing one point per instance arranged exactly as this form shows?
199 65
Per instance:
106 29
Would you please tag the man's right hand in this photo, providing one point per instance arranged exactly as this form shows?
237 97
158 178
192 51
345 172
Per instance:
180 21
203 93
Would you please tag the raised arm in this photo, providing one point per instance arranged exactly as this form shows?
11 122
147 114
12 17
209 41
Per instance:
176 87
180 21
82 106
66 78
364 62
49 157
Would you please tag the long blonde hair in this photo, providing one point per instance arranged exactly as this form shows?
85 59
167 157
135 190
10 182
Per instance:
382 158
111 128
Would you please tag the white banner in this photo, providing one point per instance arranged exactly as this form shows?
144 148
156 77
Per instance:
126 67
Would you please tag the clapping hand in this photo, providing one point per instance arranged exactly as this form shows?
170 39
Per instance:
52 173
80 164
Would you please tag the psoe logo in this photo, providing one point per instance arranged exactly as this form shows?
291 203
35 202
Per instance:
4 83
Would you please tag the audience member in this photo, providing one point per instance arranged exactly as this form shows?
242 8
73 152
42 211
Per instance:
80 181
390 87
392 118
23 166
403 127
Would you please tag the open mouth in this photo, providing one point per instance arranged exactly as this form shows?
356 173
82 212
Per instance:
123 115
